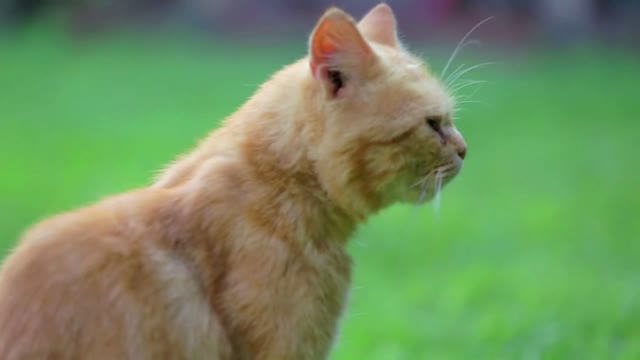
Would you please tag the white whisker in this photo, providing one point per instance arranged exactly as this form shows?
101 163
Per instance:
458 69
466 99
423 194
424 184
465 85
461 45
425 179
437 191
471 102
458 100
432 182
470 68
448 81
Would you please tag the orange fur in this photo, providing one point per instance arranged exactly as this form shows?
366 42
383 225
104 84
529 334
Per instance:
238 250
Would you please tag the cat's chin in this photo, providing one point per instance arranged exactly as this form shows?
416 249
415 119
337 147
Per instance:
422 195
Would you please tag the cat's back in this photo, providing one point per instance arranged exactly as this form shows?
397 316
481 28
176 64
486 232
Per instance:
94 282
73 243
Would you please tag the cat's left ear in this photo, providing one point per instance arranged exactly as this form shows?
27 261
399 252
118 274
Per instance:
379 25
339 55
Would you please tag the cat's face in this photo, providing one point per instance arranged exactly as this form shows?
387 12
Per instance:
389 134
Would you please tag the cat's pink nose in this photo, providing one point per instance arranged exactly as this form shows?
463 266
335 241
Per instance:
462 152
459 145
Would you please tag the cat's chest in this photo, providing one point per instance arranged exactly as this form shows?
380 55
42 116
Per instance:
289 307
317 287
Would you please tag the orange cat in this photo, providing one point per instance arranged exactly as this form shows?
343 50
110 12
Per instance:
238 250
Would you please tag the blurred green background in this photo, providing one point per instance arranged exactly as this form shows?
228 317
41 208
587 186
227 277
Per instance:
533 254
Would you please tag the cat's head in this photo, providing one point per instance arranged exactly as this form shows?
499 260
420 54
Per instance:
388 133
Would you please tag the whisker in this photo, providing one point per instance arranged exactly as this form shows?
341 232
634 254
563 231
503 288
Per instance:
423 194
433 178
437 191
470 68
471 102
424 184
424 179
465 85
458 69
461 45
468 98
448 81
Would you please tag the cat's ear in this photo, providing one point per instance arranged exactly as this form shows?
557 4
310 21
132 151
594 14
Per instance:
379 25
339 55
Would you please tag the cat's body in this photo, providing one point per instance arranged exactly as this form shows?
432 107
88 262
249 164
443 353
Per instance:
237 251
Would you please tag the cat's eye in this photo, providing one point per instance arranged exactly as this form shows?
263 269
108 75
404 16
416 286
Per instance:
434 123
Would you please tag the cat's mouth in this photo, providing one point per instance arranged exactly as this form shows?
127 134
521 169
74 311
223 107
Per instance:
432 183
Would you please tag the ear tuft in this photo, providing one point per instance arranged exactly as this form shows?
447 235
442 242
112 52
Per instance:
379 25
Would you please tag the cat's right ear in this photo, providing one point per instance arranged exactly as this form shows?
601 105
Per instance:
339 55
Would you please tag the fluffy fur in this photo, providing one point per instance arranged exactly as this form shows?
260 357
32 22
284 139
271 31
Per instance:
238 250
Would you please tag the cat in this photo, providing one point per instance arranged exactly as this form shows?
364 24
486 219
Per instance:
237 251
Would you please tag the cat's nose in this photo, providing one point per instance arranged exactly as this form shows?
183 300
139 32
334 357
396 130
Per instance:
460 146
462 152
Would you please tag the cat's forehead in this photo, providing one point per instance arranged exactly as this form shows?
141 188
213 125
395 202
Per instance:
402 59
402 64
417 82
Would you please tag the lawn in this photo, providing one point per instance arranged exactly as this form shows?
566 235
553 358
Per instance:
533 254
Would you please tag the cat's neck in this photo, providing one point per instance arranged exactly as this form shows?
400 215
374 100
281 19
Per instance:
263 148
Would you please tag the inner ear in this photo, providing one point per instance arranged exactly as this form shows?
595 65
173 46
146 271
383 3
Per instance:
339 55
337 81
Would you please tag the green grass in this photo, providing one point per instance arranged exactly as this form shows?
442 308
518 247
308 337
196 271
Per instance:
534 254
